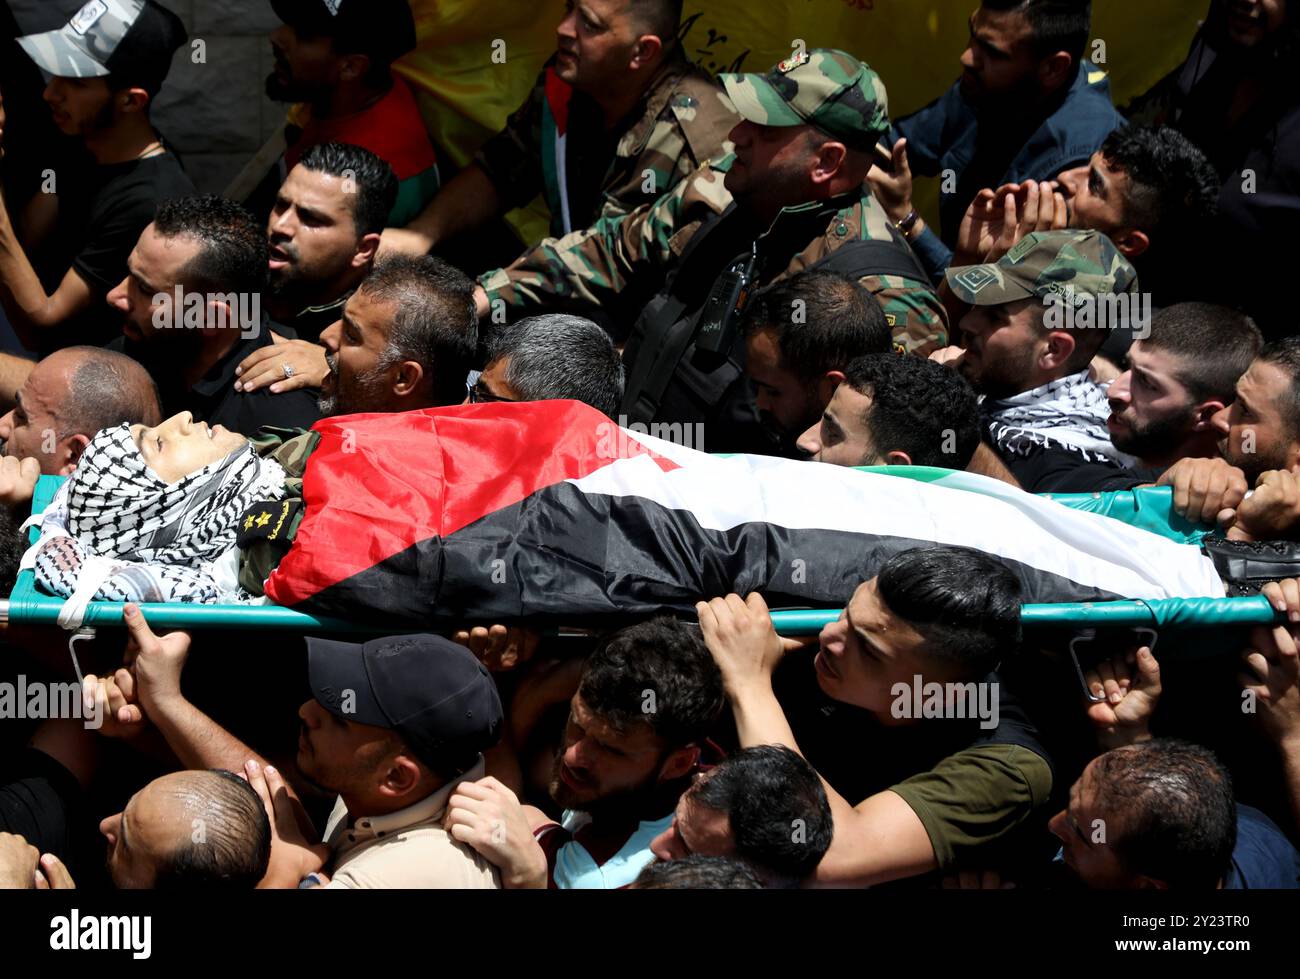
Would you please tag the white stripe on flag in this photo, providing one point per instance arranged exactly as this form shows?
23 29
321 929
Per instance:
1087 548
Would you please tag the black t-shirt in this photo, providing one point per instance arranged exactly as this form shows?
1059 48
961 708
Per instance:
860 757
102 211
214 398
1059 470
312 321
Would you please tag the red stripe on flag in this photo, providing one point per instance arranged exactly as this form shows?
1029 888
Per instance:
558 94
379 483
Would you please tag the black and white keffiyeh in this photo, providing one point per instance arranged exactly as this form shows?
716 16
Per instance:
1068 413
117 531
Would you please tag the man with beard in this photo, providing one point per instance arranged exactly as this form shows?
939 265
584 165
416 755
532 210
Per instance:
108 65
334 59
637 724
1260 449
192 307
1037 318
406 340
1177 380
800 335
323 234
1028 105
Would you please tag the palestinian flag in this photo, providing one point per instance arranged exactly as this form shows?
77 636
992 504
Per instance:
555 143
549 509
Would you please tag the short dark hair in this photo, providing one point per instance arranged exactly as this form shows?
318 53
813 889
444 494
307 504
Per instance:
560 356
1215 345
822 320
1172 187
1284 354
1174 806
657 672
779 816
662 18
105 390
915 405
963 602
436 324
376 184
234 252
697 873
236 845
1055 25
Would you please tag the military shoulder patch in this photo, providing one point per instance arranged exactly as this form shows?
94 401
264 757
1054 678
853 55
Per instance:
266 521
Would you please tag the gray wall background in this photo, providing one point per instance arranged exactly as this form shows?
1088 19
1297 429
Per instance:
216 115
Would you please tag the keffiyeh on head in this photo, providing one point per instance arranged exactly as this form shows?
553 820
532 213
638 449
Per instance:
119 508
117 531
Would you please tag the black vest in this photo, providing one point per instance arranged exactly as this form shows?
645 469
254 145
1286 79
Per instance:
670 381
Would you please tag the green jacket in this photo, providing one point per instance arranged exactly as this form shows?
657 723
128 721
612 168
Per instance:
279 520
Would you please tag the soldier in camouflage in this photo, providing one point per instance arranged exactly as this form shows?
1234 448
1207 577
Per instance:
616 118
1037 318
791 197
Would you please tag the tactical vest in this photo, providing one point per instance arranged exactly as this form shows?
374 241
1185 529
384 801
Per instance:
670 381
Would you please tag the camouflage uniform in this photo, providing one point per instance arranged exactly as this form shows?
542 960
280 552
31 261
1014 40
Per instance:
682 121
592 268
828 89
262 551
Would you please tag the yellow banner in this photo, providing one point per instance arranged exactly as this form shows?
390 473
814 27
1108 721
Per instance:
476 60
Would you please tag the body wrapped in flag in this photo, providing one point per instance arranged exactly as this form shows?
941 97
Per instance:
550 510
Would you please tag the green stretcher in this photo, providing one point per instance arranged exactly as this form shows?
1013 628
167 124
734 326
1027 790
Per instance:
1149 508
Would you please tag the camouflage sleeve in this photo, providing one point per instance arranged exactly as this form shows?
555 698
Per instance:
512 159
590 268
916 316
291 449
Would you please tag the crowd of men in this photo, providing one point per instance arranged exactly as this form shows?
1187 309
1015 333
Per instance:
1098 308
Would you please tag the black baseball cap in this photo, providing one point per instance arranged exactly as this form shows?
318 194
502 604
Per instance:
383 29
134 39
431 691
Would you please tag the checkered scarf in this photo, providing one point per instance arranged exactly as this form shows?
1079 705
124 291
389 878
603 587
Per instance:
1068 413
117 525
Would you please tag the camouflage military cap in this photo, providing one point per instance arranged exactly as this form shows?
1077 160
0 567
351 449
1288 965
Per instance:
1076 266
108 37
829 89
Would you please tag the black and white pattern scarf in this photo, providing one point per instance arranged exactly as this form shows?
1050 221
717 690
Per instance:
1068 413
117 531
